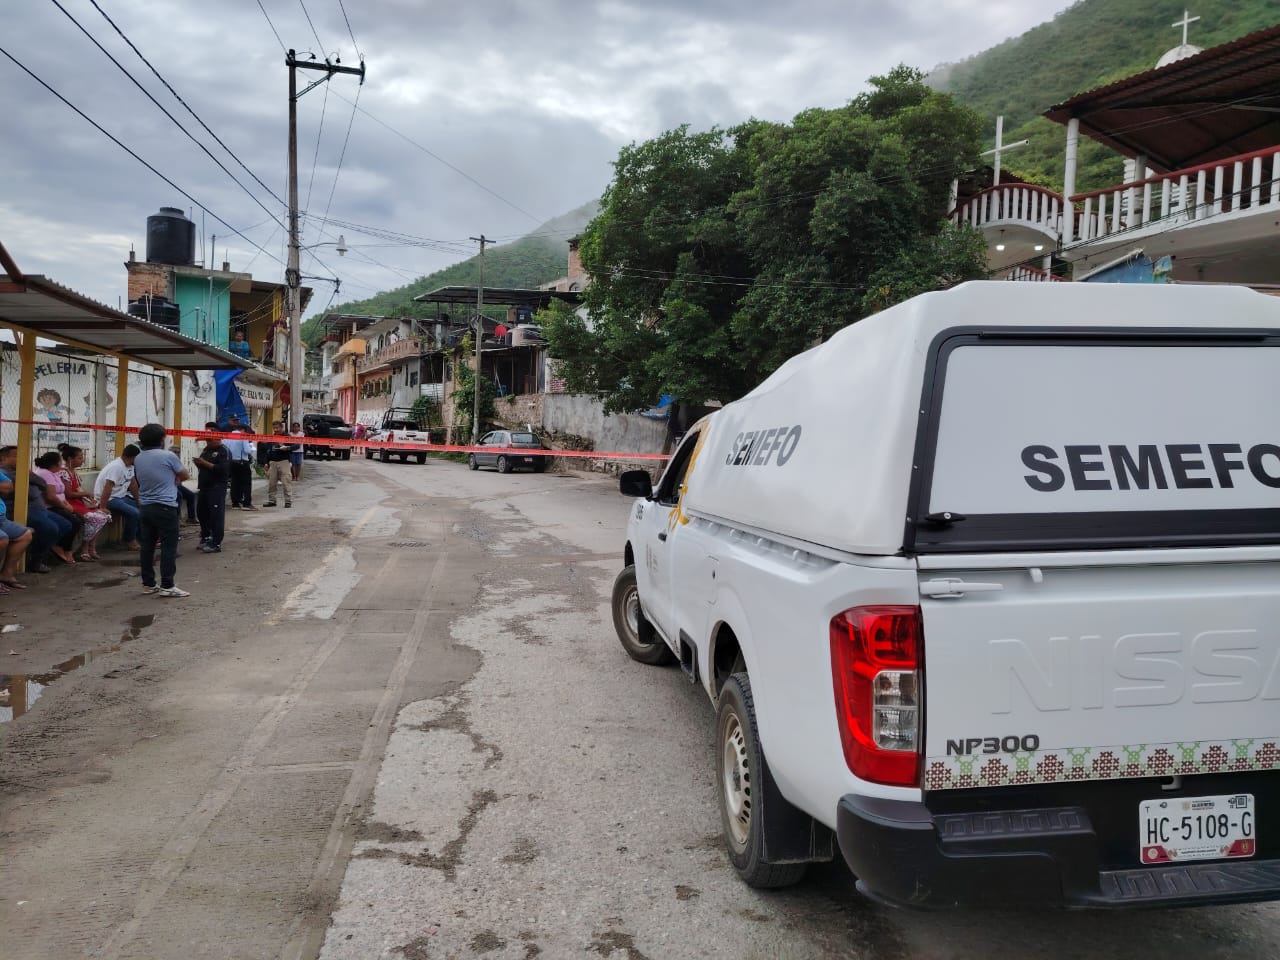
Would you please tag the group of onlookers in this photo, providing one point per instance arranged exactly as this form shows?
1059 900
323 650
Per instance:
144 487
64 521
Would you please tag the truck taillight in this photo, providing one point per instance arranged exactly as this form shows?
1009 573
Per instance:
875 667
391 435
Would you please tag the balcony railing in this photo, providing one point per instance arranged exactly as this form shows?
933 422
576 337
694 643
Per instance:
339 381
408 347
1013 204
1247 183
1026 273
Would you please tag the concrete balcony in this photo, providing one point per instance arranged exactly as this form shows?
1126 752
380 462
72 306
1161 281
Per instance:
400 350
1222 195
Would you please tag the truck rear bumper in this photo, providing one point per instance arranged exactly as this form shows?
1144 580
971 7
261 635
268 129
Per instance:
904 854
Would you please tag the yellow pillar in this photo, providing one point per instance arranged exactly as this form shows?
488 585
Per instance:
177 406
122 403
26 409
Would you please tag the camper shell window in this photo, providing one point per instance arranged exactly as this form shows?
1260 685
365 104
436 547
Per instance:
1071 438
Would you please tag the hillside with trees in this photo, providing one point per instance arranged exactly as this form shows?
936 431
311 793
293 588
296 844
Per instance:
1088 45
537 258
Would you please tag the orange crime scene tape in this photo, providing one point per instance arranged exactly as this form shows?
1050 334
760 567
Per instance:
373 444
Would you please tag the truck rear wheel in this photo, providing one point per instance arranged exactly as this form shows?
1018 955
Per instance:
420 457
635 633
739 783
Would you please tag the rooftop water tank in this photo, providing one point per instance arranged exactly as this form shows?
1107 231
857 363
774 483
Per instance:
156 309
171 238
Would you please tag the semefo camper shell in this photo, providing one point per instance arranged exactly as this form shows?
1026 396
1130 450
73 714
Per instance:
987 591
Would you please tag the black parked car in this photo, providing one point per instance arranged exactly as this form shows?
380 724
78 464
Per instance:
506 456
330 426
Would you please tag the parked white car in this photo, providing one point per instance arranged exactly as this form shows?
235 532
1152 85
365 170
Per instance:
986 591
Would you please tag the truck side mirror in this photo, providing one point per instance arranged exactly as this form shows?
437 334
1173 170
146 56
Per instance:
635 483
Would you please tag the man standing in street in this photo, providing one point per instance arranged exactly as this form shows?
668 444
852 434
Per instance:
278 467
214 464
158 473
242 453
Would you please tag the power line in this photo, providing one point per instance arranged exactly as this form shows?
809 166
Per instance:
312 26
341 156
21 66
439 159
315 158
174 120
273 27
343 8
176 96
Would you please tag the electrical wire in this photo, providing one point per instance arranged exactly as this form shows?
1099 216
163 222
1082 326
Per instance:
189 110
174 120
343 7
315 158
312 26
283 48
439 159
341 156
97 126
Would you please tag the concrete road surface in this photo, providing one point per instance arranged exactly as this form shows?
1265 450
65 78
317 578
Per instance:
393 722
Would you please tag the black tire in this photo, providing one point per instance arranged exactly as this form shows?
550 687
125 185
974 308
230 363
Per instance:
368 454
739 786
471 462
540 465
346 454
384 457
504 465
420 457
635 633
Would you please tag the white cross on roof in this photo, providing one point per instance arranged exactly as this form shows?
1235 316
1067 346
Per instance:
1186 21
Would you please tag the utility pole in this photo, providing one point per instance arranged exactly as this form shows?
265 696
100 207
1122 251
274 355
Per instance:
293 272
475 413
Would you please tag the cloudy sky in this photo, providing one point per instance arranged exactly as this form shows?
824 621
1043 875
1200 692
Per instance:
484 117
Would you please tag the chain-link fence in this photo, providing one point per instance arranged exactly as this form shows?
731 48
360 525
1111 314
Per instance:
73 393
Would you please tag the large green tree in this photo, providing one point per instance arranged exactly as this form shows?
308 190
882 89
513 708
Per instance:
717 255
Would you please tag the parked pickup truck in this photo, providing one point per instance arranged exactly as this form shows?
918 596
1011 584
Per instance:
986 591
329 426
403 430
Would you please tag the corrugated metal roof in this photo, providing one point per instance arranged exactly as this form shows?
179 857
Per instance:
37 303
1220 103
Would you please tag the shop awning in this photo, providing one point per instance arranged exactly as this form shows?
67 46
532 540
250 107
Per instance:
36 303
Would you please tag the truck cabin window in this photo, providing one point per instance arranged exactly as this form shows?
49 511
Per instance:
669 490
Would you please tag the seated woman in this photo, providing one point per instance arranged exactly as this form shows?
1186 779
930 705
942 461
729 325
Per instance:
47 467
95 516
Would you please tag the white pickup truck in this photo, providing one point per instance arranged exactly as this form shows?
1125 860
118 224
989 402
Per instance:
986 591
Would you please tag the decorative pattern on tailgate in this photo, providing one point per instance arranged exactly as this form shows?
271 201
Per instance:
1100 763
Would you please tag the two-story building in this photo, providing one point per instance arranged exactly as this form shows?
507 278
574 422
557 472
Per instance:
225 308
1199 198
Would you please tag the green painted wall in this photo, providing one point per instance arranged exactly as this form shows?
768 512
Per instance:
206 311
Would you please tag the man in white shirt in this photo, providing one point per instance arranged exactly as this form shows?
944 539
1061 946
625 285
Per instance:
116 488
242 454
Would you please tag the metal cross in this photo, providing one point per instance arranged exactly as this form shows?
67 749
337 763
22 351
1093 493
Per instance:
1000 148
1186 21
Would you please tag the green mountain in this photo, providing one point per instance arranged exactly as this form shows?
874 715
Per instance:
534 259
1088 45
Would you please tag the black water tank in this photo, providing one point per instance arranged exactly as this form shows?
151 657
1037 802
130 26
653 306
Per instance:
156 309
171 238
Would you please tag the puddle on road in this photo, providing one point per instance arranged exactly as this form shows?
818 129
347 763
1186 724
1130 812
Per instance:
19 692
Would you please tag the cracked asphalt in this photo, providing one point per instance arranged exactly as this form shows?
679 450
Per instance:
395 723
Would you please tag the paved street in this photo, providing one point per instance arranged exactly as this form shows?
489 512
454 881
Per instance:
393 722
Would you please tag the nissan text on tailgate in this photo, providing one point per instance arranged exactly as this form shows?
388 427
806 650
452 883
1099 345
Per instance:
986 591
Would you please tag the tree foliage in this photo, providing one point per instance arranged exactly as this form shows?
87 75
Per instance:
717 255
